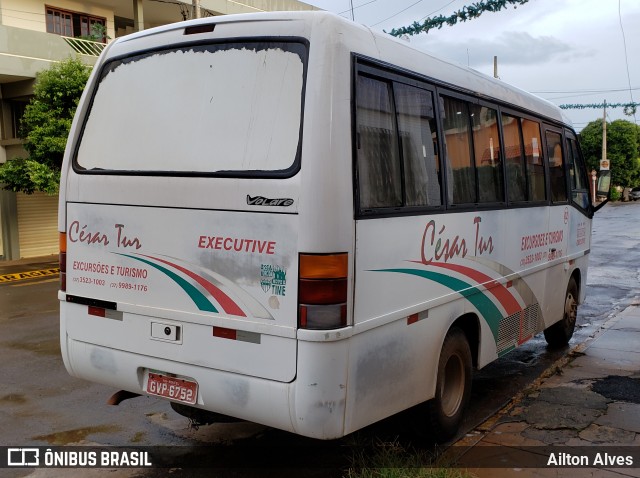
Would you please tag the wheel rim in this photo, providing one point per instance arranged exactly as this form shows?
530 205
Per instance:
453 384
570 311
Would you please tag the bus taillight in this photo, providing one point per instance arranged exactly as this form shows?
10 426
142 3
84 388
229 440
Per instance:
63 261
322 291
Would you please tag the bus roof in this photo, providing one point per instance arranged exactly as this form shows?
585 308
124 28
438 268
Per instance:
381 47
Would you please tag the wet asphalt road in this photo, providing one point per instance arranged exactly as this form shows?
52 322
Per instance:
40 404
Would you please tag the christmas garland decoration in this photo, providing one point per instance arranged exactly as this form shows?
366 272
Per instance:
629 108
465 13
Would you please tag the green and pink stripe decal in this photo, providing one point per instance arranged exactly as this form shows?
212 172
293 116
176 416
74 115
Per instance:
472 291
202 302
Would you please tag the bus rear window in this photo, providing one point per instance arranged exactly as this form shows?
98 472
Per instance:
232 108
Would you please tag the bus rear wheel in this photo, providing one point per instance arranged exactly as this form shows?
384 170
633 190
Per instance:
453 386
559 334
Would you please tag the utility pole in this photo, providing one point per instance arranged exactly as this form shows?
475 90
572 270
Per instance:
495 67
604 132
196 8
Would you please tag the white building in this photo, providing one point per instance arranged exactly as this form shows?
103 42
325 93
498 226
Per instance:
36 33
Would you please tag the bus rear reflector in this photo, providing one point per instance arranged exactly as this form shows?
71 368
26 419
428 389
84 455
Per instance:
240 335
97 311
322 291
224 333
62 258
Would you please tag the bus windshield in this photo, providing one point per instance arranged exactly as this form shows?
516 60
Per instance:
232 107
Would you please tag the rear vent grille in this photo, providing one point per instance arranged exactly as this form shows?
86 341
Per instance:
518 328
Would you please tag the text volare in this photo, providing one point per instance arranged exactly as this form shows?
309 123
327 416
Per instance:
263 201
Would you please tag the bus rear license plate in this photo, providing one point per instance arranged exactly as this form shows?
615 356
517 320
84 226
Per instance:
178 389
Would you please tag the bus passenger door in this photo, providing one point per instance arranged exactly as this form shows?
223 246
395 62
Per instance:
557 240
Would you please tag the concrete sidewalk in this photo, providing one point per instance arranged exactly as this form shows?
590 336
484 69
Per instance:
587 403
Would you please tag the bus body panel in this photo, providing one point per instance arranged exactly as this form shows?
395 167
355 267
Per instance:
387 372
319 393
187 192
313 405
495 262
413 285
229 393
221 277
327 225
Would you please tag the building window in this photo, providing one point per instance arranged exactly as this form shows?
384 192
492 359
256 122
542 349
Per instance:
77 25
11 114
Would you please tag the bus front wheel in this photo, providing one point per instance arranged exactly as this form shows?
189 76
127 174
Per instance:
453 386
559 334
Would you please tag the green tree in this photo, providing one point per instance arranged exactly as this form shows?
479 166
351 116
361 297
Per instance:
45 127
623 150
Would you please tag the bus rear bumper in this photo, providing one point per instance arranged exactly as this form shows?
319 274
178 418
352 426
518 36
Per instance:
297 407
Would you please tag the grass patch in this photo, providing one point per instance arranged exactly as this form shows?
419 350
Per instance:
393 460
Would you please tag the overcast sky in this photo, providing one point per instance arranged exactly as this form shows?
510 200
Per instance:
561 50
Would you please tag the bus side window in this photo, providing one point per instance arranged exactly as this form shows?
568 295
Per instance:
516 167
418 137
458 151
579 177
486 145
534 160
379 172
557 177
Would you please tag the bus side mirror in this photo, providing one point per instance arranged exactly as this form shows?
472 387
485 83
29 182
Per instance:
603 190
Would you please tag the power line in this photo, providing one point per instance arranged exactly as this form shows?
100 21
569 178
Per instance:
438 10
396 14
604 90
359 6
626 56
412 5
580 95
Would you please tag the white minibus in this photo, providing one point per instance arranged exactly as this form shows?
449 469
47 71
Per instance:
291 219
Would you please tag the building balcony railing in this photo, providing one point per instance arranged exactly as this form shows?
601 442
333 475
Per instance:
85 47
23 53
